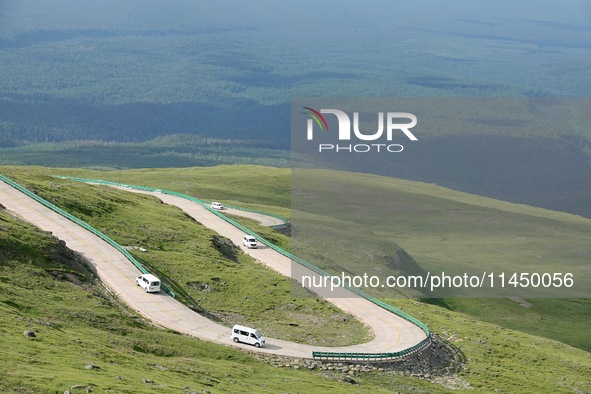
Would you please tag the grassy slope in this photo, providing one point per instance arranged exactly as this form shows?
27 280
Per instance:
507 360
78 325
566 320
440 227
265 188
562 319
220 280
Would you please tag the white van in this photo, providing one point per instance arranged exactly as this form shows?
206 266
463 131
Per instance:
148 282
249 241
247 335
217 205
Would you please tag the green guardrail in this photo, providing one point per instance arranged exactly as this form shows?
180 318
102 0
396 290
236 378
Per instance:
84 225
317 355
357 357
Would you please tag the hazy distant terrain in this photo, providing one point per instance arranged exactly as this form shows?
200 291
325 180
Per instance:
107 84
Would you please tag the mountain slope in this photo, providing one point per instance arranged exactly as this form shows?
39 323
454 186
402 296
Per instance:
78 325
434 226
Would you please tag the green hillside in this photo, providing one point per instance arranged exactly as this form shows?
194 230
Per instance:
45 290
209 272
78 325
433 226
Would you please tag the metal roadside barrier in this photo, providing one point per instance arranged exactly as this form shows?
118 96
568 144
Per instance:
368 357
84 225
326 356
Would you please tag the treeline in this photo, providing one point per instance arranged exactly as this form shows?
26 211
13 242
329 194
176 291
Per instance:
173 151
26 119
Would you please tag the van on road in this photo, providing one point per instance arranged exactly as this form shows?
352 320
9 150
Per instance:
148 282
217 205
249 241
242 334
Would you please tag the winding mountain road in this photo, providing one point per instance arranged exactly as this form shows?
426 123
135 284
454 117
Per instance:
264 220
391 333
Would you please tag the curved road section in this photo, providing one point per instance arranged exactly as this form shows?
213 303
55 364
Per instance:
264 220
391 333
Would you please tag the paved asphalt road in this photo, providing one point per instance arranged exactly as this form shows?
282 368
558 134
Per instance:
391 333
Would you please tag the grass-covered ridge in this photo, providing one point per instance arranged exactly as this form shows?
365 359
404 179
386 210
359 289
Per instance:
218 278
259 187
426 239
504 360
77 325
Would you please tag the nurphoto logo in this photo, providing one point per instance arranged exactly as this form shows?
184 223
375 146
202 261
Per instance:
381 139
